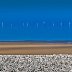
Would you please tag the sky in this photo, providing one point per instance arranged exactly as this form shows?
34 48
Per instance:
40 20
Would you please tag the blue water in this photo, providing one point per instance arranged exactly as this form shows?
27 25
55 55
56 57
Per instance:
35 22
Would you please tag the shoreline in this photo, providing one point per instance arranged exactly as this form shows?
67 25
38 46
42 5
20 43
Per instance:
24 48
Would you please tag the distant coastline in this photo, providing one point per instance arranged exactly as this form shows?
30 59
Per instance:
34 41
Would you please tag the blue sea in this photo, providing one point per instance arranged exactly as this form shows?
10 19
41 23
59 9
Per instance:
35 21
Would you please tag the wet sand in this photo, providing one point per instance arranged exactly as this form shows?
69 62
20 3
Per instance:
34 48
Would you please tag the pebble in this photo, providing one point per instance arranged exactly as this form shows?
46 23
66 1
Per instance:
36 63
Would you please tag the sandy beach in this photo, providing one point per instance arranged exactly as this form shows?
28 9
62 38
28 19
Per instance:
34 48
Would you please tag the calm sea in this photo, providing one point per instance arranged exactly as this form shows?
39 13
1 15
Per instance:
38 22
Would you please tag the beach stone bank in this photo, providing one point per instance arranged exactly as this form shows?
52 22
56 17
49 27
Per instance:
36 63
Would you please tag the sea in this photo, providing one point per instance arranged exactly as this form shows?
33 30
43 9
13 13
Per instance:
35 23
